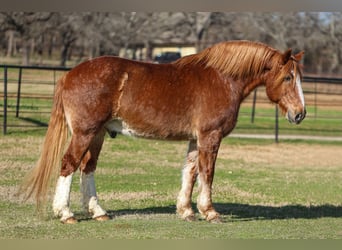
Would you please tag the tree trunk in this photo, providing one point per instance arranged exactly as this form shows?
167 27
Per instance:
26 52
10 43
202 23
148 47
50 46
32 47
64 54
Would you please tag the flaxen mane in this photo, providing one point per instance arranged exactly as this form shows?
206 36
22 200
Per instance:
238 59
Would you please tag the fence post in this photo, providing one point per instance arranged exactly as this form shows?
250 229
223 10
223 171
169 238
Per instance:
315 99
253 107
5 101
18 93
276 123
54 80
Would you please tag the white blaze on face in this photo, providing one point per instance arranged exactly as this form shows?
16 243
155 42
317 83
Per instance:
300 90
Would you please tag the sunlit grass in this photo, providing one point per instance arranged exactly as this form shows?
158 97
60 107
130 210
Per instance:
262 190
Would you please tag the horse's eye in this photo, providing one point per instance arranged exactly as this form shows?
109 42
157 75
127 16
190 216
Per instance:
287 78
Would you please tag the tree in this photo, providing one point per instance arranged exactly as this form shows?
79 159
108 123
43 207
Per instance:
199 24
28 25
89 34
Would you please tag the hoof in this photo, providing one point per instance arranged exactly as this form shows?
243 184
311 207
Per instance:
102 218
190 218
216 220
212 216
186 213
70 220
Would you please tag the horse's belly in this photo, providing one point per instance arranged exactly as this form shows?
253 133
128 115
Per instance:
119 126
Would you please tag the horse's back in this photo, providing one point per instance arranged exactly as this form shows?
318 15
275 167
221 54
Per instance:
153 100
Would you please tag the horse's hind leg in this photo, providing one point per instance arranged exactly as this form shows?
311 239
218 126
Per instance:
71 160
189 175
87 182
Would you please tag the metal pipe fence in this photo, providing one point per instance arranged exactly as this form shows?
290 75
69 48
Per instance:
17 87
19 82
314 100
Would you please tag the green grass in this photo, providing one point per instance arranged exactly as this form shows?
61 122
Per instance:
35 112
259 193
327 123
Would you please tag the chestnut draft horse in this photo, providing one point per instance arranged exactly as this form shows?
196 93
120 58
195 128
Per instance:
195 98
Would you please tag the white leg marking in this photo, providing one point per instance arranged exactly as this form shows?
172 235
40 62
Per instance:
184 197
204 202
89 197
300 90
189 175
62 198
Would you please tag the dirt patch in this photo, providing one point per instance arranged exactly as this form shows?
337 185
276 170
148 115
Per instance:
285 155
120 171
9 194
127 196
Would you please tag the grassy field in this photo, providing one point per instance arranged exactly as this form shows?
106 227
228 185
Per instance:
290 190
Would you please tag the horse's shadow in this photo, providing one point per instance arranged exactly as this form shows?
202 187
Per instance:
240 212
264 212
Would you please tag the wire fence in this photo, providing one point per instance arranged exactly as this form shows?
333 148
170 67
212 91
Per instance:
28 93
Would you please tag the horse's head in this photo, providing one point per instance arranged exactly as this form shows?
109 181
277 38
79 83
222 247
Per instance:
283 86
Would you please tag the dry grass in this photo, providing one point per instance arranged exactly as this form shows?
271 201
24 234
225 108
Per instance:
285 155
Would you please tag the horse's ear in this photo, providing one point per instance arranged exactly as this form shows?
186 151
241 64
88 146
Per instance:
287 55
299 56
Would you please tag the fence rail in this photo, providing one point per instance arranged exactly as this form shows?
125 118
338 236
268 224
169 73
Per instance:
322 79
18 94
17 81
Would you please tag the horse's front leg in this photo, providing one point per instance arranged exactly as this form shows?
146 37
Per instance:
208 148
189 175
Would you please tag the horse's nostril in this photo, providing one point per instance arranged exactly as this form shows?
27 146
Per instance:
299 117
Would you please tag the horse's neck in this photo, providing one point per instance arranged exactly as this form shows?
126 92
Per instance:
250 85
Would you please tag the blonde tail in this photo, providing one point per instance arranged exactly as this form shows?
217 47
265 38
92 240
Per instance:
38 181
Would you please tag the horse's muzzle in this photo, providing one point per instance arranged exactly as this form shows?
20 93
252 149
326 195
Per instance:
296 118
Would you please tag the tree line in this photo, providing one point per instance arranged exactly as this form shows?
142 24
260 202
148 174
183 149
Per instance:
83 35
